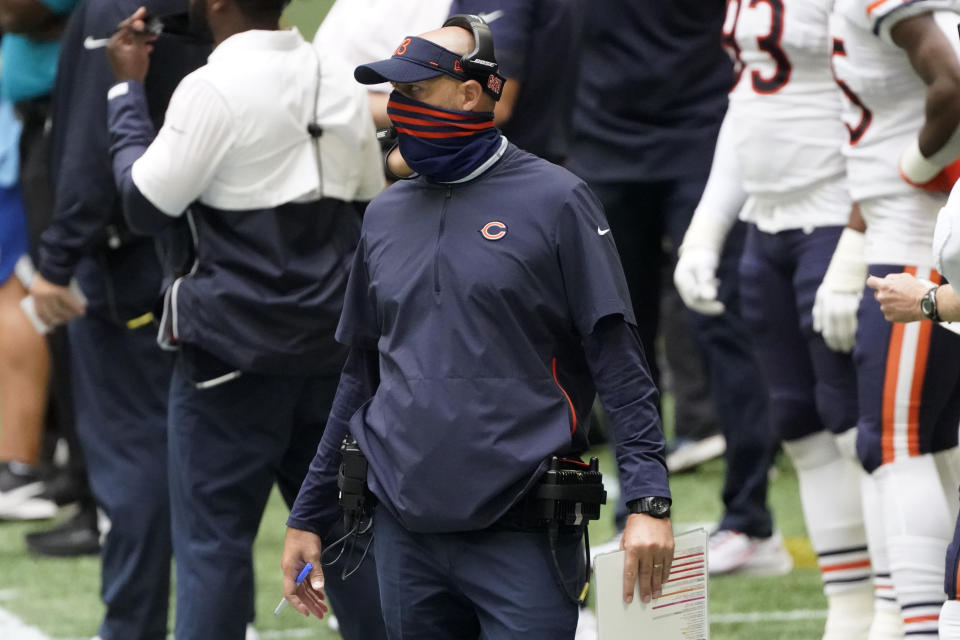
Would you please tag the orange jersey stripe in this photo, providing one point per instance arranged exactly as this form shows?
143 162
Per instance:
932 618
873 5
890 391
919 375
860 564
890 386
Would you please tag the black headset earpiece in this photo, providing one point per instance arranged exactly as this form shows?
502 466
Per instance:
481 63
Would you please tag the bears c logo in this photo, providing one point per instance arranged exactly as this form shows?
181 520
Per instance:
494 230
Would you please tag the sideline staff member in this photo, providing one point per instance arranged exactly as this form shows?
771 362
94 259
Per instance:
485 301
273 152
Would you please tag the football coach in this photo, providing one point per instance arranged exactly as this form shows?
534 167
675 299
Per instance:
485 308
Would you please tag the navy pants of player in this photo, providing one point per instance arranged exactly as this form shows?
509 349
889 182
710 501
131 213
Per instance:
497 583
811 386
229 443
642 216
952 570
120 384
908 381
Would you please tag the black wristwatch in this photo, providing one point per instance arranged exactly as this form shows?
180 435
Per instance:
928 304
653 506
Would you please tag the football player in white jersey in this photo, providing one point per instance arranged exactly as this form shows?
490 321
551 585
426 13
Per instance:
897 65
905 298
779 165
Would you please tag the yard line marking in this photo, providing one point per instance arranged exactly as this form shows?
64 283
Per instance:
13 628
7 594
768 616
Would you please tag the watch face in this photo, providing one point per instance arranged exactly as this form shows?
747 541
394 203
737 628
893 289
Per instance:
926 306
659 507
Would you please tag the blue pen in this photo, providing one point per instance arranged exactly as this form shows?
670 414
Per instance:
300 578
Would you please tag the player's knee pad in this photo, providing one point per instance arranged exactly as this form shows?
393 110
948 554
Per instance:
847 443
913 499
812 451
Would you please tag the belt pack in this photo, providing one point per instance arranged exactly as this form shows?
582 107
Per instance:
569 493
356 499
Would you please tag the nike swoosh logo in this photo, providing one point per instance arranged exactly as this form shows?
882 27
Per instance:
95 43
492 16
603 232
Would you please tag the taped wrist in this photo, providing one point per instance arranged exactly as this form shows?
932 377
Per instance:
917 169
848 268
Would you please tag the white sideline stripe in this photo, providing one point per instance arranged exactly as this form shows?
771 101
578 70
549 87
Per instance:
768 616
717 618
281 634
13 628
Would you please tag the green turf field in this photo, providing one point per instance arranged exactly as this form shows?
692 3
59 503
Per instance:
60 597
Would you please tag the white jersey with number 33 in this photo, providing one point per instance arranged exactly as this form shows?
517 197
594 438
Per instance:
784 114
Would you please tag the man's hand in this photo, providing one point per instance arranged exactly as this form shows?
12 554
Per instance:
299 548
648 543
55 304
129 48
899 295
696 280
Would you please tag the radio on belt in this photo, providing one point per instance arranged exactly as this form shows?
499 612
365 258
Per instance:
570 492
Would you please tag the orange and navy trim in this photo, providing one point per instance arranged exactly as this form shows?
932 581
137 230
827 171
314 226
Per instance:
573 411
907 355
839 568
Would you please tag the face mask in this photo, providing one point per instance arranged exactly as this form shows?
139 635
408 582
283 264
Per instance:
442 145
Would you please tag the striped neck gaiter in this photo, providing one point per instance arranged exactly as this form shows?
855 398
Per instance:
442 145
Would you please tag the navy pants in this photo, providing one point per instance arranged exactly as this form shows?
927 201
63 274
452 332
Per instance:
120 383
645 217
812 387
229 443
952 571
492 584
908 375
